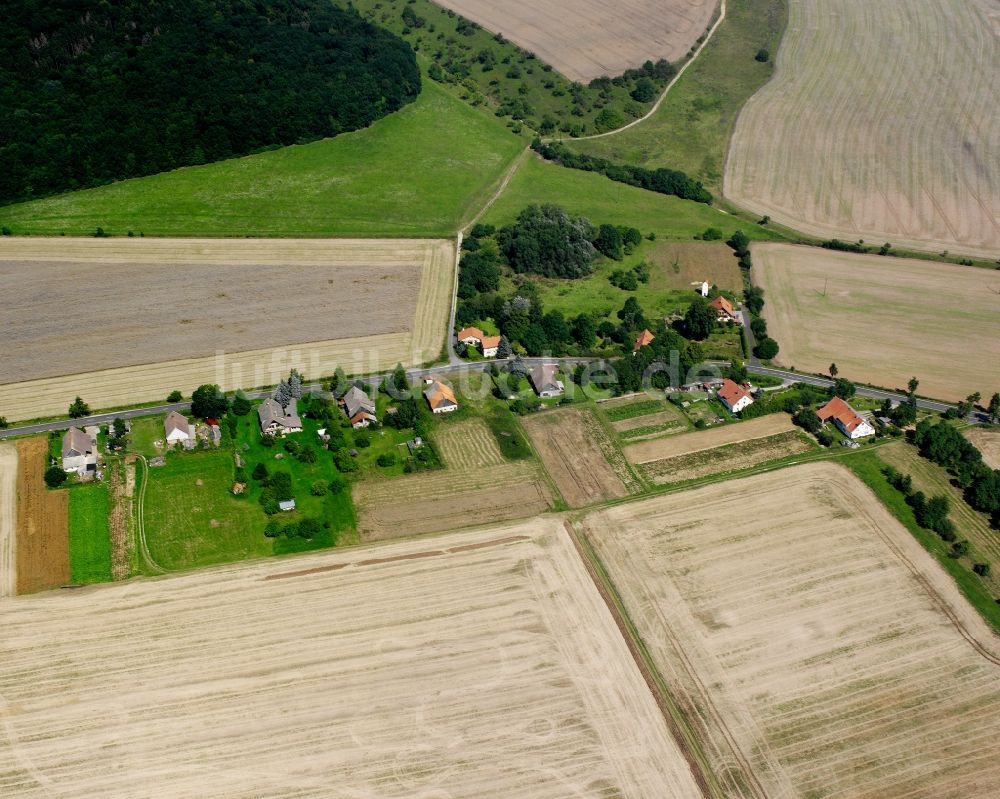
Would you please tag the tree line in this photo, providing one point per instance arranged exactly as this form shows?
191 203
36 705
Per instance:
662 180
93 92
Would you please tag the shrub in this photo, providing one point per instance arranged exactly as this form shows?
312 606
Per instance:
766 348
318 488
386 459
763 56
174 396
54 477
260 472
982 569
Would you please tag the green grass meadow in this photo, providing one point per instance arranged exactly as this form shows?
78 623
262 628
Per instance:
603 200
417 172
691 129
89 537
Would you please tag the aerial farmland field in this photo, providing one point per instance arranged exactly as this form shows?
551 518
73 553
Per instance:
882 320
588 40
42 538
880 123
160 314
817 649
469 665
581 457
987 439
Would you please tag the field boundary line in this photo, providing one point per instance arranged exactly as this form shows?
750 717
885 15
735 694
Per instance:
681 731
666 89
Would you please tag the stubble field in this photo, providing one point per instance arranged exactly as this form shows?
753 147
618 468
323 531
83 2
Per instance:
149 316
816 648
8 519
988 442
879 124
882 320
699 440
585 40
42 532
446 499
680 265
581 457
478 665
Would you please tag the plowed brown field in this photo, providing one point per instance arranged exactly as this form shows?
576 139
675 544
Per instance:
817 648
471 665
42 522
581 457
163 314
585 40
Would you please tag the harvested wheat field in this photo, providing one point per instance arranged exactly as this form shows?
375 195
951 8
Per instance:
681 265
584 462
817 648
447 499
8 519
987 440
659 449
880 123
472 665
469 444
42 537
881 319
587 39
727 459
160 314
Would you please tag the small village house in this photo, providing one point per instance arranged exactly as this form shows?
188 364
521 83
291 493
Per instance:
490 346
79 452
543 380
846 419
734 396
723 310
359 407
440 397
178 430
277 420
472 336
645 338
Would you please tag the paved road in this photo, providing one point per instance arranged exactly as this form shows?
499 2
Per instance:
417 374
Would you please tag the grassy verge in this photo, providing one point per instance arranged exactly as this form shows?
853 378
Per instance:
691 129
417 172
868 467
89 537
602 200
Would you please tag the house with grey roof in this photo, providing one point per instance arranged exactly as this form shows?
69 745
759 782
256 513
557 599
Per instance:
277 420
79 452
178 430
359 407
543 380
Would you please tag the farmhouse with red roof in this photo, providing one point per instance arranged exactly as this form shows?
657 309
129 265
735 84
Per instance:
734 396
847 420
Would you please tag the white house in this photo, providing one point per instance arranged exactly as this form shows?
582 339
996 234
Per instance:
440 397
543 380
472 336
847 420
79 452
490 346
734 396
177 429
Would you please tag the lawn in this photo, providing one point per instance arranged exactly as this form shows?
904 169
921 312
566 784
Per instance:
417 172
89 538
691 129
603 200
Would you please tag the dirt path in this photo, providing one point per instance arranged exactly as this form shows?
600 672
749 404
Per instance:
140 522
508 176
8 519
669 86
121 491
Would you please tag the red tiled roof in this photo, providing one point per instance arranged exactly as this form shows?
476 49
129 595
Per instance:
732 392
489 342
842 412
722 304
645 337
470 332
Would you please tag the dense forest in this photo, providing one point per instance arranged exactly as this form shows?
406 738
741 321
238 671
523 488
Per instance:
92 91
